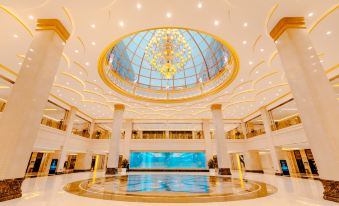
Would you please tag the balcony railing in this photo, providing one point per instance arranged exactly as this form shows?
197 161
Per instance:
290 121
53 123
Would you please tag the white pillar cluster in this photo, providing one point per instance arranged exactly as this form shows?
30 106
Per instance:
268 132
113 156
224 163
21 118
314 96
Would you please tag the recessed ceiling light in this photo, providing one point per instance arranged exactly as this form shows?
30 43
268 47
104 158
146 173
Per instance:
329 32
20 63
168 14
93 43
262 50
245 24
244 42
87 63
15 36
138 6
76 51
257 72
121 23
95 80
31 50
250 62
93 26
309 48
199 5
321 61
310 14
216 22
31 17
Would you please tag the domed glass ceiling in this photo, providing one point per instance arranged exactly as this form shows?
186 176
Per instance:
168 65
207 58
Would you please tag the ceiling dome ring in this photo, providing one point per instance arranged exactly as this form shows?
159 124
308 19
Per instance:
211 66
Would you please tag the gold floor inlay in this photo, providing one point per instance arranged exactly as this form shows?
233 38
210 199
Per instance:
170 188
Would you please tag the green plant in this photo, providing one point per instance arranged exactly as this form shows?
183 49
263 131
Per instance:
211 164
124 163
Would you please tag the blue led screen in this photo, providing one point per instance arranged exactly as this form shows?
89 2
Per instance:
168 160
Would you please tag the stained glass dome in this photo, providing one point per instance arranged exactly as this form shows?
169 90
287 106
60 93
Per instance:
124 66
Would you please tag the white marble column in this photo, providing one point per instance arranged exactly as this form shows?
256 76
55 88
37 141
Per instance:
268 133
207 139
113 156
224 163
64 150
253 162
243 129
21 118
128 134
314 96
83 162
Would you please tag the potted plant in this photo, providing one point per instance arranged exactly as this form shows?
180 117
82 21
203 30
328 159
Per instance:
211 166
124 165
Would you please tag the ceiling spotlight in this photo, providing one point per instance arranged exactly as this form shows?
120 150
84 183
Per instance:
245 24
216 22
76 51
310 14
87 63
121 23
93 26
309 48
262 50
31 17
31 50
138 6
168 14
20 63
93 43
15 36
199 5
329 32
244 42
250 62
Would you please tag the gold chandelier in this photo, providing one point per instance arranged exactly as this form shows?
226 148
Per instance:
168 51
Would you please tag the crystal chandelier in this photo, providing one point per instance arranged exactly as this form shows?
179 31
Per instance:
168 51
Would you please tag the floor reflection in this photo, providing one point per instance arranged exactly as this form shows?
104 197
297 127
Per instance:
170 188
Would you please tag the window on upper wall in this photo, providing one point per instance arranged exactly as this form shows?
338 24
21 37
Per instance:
285 115
255 127
54 116
81 126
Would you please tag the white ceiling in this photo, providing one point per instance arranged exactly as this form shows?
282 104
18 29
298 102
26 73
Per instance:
79 84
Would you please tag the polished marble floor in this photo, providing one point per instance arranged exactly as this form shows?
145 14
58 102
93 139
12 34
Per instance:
170 188
48 191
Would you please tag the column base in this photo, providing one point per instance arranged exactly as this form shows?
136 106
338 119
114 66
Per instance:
331 190
224 171
111 171
255 171
10 189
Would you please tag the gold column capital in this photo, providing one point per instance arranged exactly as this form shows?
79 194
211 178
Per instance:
287 23
53 24
119 107
216 107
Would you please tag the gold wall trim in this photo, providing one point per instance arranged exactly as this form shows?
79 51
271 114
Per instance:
54 25
272 57
256 42
69 18
269 16
75 78
81 67
264 77
287 23
332 68
322 17
102 61
119 107
269 88
8 70
256 66
216 106
66 58
17 19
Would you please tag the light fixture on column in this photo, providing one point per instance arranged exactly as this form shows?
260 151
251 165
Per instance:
168 51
